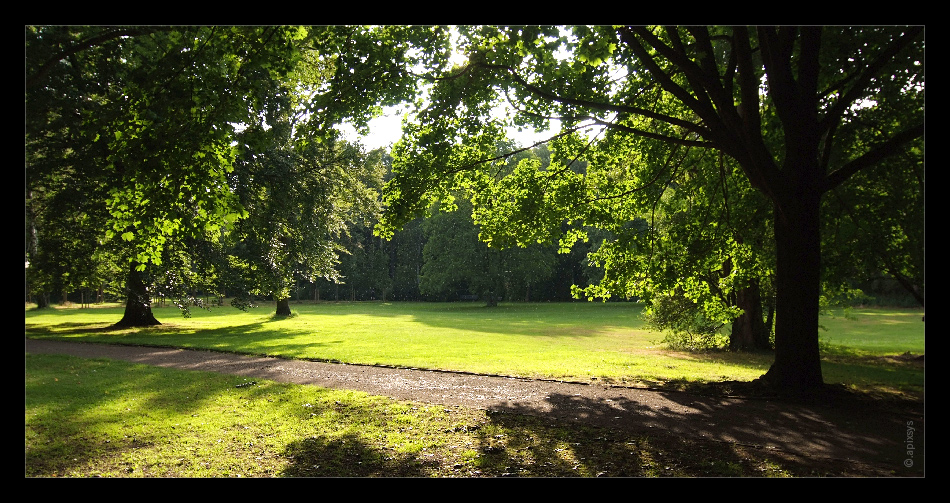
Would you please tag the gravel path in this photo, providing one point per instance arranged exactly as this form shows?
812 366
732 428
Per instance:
861 432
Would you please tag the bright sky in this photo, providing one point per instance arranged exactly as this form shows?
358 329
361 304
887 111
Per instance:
385 130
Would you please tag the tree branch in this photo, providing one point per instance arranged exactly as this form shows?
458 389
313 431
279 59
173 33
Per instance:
654 136
607 107
883 150
37 77
776 56
631 36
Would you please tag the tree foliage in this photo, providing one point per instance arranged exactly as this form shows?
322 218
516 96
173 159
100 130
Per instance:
148 119
727 166
681 123
300 198
145 116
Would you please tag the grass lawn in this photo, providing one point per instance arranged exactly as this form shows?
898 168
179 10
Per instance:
106 418
576 341
96 417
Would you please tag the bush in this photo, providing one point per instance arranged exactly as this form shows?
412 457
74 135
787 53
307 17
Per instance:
685 325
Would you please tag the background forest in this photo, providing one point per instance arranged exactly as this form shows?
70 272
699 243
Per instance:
439 257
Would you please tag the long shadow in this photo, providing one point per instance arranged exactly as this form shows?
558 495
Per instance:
540 320
533 319
350 456
170 335
70 328
515 319
80 392
610 452
833 426
71 395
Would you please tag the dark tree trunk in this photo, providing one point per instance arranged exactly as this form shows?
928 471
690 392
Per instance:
42 300
795 191
283 307
138 307
749 331
797 366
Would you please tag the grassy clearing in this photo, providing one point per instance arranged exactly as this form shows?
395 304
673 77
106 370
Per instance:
89 418
574 341
104 418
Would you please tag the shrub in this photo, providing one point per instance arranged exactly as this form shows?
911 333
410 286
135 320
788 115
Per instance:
685 325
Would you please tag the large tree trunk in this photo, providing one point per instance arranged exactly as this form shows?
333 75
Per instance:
283 306
749 331
795 191
138 307
797 366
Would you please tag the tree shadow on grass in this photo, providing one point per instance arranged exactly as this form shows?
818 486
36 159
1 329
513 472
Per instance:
71 328
59 386
227 338
527 449
548 320
828 434
350 456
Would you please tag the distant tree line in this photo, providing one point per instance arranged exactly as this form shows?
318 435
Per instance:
439 257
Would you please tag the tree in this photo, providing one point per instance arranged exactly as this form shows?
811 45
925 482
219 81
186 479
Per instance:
364 268
527 267
455 261
782 103
303 187
301 195
146 117
694 235
875 227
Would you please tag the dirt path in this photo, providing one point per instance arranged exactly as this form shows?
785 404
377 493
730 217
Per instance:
847 430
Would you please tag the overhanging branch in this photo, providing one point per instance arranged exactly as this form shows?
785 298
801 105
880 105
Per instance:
872 157
607 107
38 76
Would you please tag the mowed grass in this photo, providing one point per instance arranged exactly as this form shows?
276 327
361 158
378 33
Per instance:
570 341
105 418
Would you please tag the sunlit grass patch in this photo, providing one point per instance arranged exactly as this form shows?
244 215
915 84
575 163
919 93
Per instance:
103 418
580 341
